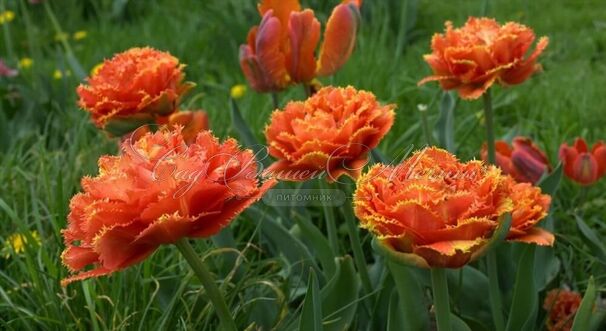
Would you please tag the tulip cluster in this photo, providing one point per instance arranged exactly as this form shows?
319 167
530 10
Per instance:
431 210
281 50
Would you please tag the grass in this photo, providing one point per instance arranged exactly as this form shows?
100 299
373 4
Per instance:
47 144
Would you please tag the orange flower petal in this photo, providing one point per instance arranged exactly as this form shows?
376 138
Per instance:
536 236
599 152
304 34
272 62
339 38
449 254
281 8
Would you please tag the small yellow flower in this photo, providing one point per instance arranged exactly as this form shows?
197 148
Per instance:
7 16
79 35
58 74
237 91
25 63
16 243
96 68
61 36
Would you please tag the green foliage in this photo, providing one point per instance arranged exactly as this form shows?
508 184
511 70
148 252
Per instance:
275 265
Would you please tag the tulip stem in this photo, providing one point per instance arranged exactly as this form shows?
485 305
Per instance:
493 274
308 91
440 298
331 225
494 291
274 100
425 123
215 296
489 119
356 244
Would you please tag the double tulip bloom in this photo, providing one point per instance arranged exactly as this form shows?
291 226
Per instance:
137 87
332 131
522 160
472 58
435 211
159 190
581 164
281 50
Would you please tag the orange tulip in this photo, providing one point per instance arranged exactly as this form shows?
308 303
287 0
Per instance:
529 207
471 58
523 160
281 50
332 132
434 211
582 165
156 192
134 88
561 306
192 123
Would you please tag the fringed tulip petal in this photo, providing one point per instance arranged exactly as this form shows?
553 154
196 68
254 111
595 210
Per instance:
192 122
536 236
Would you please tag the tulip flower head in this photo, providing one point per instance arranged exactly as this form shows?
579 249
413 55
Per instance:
472 58
281 50
581 164
561 306
134 88
523 160
435 211
332 131
159 190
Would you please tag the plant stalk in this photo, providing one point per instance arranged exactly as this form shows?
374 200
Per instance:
215 296
496 303
426 130
274 100
440 298
489 119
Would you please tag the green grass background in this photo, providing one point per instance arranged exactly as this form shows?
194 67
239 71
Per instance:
47 144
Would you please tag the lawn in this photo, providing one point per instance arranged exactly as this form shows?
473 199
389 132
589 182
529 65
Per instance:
47 144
